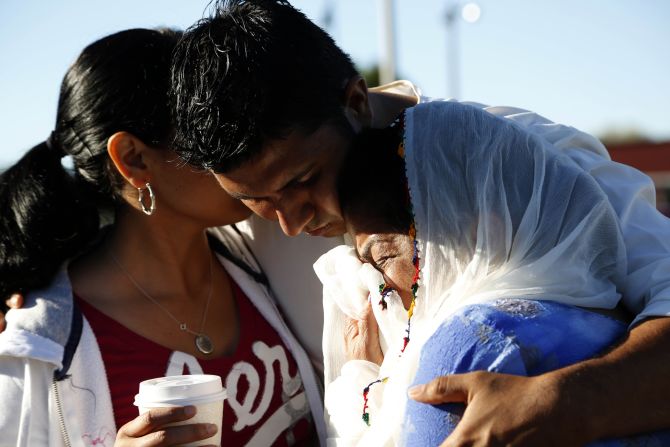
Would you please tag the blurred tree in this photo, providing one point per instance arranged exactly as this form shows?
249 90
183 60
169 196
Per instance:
371 75
623 135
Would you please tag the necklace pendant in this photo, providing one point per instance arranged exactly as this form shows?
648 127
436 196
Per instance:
204 344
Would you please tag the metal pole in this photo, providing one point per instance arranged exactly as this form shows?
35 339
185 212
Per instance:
387 63
328 15
453 56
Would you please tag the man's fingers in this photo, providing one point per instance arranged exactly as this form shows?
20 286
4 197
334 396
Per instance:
155 418
443 389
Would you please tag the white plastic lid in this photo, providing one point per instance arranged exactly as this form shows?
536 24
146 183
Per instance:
170 391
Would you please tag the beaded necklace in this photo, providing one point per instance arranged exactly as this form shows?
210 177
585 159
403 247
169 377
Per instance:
384 289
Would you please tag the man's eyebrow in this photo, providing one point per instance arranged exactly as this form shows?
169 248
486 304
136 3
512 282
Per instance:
240 196
288 184
295 177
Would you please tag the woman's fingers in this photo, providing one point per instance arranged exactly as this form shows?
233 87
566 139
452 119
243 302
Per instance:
15 301
149 428
155 418
371 330
370 323
361 337
179 435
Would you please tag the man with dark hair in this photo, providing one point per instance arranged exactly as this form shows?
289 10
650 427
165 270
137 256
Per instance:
230 105
260 72
267 101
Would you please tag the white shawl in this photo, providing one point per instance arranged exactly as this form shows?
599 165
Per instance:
498 213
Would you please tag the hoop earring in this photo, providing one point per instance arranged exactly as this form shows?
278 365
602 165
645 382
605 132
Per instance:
140 197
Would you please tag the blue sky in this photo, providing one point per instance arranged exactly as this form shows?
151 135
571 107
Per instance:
598 65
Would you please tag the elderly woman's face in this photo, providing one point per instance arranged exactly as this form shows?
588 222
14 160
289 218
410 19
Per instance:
391 254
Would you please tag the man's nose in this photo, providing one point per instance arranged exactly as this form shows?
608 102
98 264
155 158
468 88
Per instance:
294 215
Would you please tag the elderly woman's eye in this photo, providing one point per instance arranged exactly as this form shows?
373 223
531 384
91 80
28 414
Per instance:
382 261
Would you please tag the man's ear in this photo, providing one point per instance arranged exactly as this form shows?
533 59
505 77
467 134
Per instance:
356 103
126 152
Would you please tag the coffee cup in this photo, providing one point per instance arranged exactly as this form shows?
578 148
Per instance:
204 391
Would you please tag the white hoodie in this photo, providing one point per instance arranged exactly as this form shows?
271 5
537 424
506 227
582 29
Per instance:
52 378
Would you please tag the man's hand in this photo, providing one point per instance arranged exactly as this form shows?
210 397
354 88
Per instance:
361 338
13 302
149 429
622 393
502 410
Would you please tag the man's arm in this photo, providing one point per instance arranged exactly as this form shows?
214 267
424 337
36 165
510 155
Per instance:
646 232
621 393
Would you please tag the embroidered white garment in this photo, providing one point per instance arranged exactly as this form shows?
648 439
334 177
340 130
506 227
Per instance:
499 213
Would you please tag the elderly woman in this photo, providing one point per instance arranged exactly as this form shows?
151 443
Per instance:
477 247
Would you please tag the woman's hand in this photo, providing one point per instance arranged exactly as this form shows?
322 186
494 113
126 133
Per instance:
148 429
361 338
13 302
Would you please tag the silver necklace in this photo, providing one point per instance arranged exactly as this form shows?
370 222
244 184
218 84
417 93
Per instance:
202 341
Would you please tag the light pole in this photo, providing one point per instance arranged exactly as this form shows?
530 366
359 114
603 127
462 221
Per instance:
387 63
470 12
328 15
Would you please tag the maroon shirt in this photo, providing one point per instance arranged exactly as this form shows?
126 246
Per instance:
266 397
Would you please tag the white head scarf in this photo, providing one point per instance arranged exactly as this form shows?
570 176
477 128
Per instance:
498 213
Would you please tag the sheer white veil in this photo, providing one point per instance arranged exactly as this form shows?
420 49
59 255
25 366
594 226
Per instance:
498 213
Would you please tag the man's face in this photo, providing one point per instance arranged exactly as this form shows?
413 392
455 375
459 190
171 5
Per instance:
293 180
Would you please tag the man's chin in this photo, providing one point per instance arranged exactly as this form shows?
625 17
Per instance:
338 230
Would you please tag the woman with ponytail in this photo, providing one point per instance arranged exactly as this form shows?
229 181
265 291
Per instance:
124 278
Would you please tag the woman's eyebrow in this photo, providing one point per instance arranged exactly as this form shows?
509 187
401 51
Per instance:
365 252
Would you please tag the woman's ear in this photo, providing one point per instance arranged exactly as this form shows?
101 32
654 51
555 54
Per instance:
356 103
127 153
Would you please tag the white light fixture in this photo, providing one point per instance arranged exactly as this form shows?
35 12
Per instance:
471 12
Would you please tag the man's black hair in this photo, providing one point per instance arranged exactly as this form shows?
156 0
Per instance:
252 71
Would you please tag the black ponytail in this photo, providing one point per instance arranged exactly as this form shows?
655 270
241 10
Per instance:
46 219
49 214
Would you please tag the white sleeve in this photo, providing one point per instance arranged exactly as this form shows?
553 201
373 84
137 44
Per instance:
344 401
24 417
646 231
287 261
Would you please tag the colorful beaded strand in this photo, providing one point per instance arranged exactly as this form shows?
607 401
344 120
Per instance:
366 390
412 235
385 290
415 287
